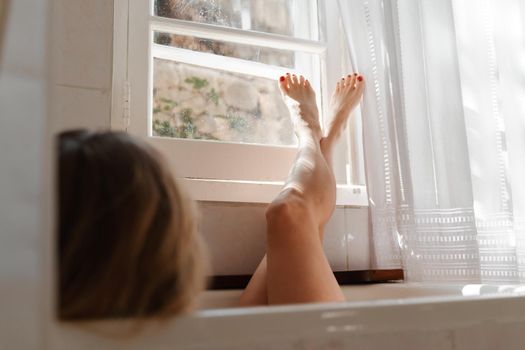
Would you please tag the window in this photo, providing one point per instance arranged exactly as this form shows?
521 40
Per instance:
197 78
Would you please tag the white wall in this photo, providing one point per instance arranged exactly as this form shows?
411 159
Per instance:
23 225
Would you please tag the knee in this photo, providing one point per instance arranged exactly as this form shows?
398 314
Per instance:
288 210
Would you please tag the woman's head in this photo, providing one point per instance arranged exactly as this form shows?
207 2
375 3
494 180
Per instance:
127 244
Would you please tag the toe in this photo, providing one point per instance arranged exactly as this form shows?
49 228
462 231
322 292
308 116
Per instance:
352 79
348 81
288 78
337 87
294 79
283 84
360 83
307 84
301 80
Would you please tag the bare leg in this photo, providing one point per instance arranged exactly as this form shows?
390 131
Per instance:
298 268
346 97
255 292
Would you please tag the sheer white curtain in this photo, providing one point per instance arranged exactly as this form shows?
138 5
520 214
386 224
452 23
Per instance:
444 134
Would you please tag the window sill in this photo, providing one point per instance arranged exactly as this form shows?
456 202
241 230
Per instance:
260 192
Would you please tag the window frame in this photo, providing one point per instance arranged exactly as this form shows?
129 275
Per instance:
219 175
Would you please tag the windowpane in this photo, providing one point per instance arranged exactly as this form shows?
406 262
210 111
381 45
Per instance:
274 57
200 103
285 17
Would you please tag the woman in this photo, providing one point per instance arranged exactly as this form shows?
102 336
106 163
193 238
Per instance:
127 240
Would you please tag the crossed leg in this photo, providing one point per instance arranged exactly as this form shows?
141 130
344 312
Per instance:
295 268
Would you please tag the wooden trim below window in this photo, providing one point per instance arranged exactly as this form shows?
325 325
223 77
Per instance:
343 278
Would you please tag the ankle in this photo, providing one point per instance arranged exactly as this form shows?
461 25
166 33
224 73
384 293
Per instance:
341 113
309 137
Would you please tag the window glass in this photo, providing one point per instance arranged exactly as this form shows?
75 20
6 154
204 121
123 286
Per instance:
201 103
293 18
274 57
216 89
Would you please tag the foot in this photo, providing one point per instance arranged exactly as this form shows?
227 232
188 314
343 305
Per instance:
347 95
300 99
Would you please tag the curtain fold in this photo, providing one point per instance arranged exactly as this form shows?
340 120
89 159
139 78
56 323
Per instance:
444 134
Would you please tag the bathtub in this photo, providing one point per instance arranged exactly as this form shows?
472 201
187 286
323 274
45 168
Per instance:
381 316
218 299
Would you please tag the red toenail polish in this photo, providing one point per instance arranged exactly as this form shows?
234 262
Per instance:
360 78
281 78
355 74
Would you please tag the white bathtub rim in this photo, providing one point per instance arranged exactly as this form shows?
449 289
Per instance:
367 304
211 328
450 292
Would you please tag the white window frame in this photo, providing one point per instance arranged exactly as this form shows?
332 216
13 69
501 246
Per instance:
259 176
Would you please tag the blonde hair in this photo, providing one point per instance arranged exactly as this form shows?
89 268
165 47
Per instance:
127 240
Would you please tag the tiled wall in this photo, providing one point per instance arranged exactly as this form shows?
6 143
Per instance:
82 63
82 47
236 235
22 121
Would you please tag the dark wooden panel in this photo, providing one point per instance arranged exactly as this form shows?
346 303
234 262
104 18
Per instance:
343 277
